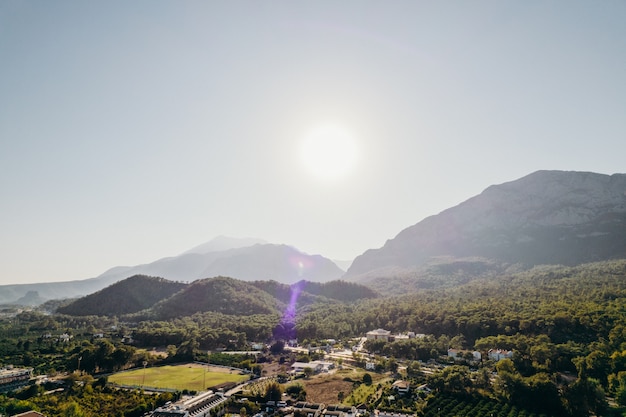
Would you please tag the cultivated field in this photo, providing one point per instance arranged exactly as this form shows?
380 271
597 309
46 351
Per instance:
193 377
325 388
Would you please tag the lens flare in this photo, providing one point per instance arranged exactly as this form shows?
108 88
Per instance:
286 328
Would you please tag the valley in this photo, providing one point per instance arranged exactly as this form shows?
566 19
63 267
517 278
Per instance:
475 311
564 326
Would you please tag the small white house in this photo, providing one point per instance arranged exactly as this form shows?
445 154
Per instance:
498 354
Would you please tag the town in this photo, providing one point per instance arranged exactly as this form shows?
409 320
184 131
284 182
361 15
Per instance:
278 396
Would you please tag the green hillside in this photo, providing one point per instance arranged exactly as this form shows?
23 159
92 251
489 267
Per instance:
338 290
312 292
131 295
219 294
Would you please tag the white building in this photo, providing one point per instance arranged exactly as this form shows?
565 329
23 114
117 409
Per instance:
379 334
14 378
498 354
316 366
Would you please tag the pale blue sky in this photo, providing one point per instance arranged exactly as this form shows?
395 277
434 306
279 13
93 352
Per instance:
131 131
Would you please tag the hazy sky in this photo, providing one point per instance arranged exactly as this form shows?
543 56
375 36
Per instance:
130 131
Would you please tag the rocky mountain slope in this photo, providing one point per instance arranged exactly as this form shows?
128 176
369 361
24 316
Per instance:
548 217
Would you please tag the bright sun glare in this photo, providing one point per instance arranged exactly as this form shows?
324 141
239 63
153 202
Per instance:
328 152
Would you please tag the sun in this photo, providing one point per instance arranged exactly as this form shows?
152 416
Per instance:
328 152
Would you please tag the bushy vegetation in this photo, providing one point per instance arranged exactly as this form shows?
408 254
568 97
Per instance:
85 397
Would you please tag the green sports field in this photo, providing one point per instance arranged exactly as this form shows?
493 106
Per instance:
192 377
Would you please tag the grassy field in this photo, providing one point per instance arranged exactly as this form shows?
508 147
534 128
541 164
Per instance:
192 377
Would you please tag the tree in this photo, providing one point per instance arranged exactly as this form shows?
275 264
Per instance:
273 392
171 351
392 365
277 347
367 379
584 397
483 378
72 409
297 391
186 351
413 369
452 379
598 365
458 342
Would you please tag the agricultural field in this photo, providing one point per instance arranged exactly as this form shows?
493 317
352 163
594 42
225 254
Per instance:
192 377
444 405
326 388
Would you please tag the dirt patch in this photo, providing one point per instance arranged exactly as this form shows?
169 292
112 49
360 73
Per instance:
325 389
159 352
275 368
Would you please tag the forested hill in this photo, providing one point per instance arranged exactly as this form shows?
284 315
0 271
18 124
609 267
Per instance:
309 292
131 295
219 294
580 304
163 299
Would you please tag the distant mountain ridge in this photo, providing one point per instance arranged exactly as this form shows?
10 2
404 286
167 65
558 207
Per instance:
282 263
220 256
547 217
221 243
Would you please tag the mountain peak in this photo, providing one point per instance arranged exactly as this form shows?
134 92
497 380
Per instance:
547 217
221 243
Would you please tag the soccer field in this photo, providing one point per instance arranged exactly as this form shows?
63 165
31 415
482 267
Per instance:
192 377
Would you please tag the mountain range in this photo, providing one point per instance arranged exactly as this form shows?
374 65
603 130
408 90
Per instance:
245 259
545 218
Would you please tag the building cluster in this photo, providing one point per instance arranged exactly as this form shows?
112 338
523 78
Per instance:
14 378
476 356
498 354
324 410
456 354
63 338
382 334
